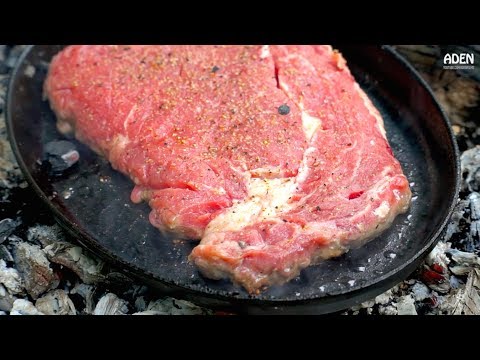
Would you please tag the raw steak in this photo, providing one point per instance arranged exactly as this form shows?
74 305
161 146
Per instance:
271 155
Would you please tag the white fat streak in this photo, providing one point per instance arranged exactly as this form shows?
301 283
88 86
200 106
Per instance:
358 162
304 170
265 52
372 109
266 198
327 229
382 210
374 192
310 125
380 186
129 116
121 141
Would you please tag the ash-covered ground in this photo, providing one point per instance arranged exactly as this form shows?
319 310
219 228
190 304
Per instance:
42 271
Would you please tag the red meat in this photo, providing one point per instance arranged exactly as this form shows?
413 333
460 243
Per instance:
271 155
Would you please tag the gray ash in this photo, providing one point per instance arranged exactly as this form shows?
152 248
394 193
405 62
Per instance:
7 226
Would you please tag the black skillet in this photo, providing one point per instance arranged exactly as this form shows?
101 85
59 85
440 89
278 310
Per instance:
92 201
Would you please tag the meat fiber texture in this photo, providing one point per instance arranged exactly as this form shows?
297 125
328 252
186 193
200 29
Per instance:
271 155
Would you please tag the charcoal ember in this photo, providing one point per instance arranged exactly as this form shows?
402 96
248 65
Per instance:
464 258
138 290
384 298
464 262
439 255
45 235
436 277
172 306
35 269
136 293
368 304
435 299
5 254
56 302
455 282
434 273
111 304
13 239
3 67
183 307
6 299
406 306
140 304
10 174
354 310
445 304
467 300
476 279
87 267
467 227
470 163
458 214
60 156
7 227
420 291
474 236
474 199
11 279
24 307
86 292
388 310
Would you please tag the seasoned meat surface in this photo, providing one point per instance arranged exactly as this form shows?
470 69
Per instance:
272 156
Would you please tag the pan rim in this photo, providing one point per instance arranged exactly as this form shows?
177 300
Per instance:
89 242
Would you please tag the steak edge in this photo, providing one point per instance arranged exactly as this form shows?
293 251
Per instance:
271 155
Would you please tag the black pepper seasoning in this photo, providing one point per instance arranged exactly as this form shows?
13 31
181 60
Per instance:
215 69
284 109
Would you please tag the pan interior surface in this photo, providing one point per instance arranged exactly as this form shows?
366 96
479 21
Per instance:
93 201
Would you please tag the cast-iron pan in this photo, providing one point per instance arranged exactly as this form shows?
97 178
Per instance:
92 201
